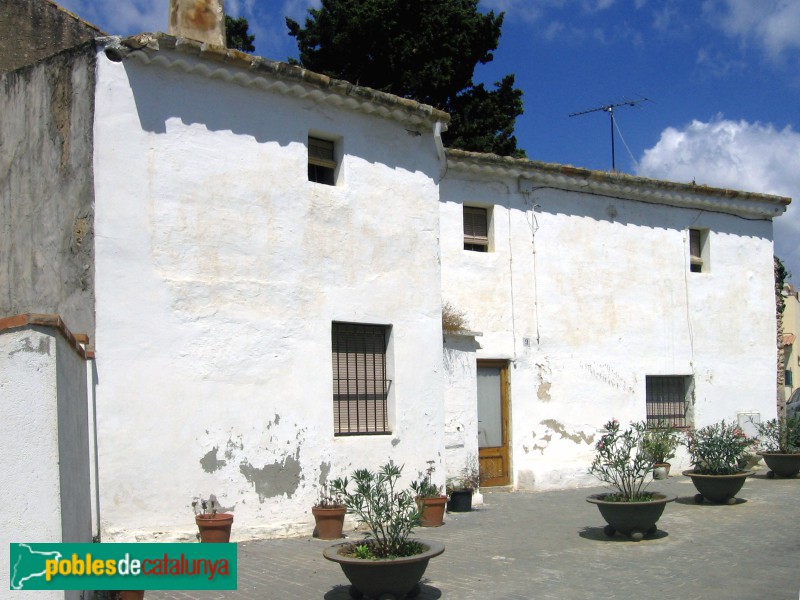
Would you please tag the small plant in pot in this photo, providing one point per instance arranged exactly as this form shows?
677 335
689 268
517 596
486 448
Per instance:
622 463
660 442
430 498
460 489
214 526
388 561
719 454
780 446
328 512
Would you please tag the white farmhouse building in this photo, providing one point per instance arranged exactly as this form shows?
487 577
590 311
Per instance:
258 257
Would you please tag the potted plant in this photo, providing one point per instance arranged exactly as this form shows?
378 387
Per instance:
621 462
328 515
460 489
780 443
388 561
430 499
214 526
660 442
718 454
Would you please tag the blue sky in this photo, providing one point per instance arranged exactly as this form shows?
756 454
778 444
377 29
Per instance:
722 76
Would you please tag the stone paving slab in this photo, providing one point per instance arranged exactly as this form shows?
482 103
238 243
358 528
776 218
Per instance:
551 545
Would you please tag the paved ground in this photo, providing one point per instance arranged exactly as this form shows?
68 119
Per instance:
522 546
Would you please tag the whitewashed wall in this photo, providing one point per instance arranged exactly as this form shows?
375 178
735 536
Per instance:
586 295
44 445
220 269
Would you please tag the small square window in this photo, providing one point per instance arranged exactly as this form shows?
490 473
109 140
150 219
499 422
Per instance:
476 229
698 250
668 399
321 161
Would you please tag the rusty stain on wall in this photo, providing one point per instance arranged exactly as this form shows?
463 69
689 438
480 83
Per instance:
210 462
276 479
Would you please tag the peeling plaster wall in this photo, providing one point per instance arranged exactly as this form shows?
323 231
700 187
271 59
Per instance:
461 401
220 269
46 193
587 295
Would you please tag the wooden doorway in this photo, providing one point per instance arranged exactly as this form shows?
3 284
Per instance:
493 455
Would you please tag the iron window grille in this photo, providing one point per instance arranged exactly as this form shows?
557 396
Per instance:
360 383
668 399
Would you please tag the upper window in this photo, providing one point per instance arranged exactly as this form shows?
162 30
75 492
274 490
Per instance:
698 250
476 229
360 383
669 399
321 161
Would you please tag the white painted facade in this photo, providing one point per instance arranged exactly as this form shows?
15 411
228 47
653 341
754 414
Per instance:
220 269
586 290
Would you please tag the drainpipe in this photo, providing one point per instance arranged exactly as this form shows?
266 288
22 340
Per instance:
437 138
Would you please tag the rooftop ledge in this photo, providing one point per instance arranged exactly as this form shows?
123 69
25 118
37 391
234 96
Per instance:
217 62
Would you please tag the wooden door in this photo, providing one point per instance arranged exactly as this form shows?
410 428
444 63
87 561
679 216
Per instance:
493 455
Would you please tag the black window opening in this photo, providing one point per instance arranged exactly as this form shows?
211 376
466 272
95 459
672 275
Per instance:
321 161
668 400
360 384
476 229
697 240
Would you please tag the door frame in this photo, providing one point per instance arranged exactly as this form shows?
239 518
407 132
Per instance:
502 452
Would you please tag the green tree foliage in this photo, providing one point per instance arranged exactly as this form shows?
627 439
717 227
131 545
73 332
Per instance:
426 50
237 35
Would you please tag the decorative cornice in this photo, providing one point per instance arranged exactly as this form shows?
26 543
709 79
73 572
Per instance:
216 62
533 174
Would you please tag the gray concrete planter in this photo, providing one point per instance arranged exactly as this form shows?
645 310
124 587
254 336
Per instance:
784 465
720 489
387 577
634 519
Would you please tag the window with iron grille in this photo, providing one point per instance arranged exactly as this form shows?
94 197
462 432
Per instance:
360 382
321 161
476 229
669 399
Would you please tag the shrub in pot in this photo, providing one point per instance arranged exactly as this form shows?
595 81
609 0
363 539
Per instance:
660 442
430 499
621 462
388 561
214 526
780 446
719 454
460 489
328 512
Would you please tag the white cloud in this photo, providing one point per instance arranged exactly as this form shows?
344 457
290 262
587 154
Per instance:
773 24
739 155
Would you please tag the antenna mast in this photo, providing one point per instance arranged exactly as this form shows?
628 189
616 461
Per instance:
609 108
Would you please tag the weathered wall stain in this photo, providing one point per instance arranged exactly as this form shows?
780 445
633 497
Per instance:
543 390
210 462
43 347
324 471
608 376
558 428
277 479
232 446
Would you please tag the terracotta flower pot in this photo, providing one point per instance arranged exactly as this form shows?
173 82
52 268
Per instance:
330 521
214 528
432 510
634 519
721 489
383 577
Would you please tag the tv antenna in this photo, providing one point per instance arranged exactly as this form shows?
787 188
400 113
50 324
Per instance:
609 108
